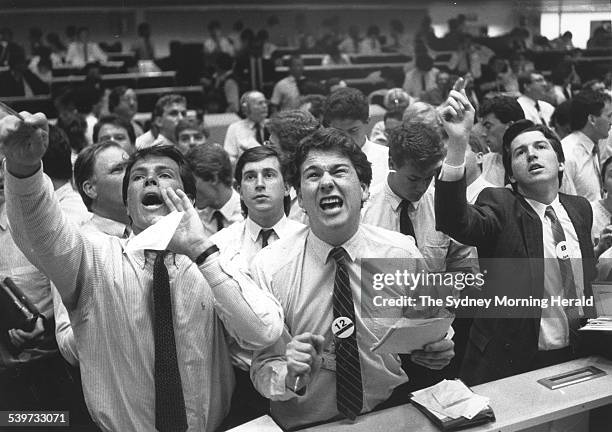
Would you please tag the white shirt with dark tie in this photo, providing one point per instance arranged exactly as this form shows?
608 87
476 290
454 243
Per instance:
582 167
240 136
538 112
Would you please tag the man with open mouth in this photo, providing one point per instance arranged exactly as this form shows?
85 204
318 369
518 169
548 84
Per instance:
150 326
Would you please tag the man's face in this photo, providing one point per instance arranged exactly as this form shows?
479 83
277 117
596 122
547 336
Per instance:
296 68
189 138
494 131
116 133
331 194
147 178
411 180
172 114
355 128
602 123
128 105
107 178
443 81
262 187
533 160
538 87
257 107
83 36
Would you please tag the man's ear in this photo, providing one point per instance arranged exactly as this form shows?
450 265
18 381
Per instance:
479 157
365 192
90 189
300 201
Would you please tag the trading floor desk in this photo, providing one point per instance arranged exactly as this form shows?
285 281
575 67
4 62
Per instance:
519 402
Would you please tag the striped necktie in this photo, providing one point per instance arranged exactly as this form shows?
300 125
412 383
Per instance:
567 274
349 390
170 415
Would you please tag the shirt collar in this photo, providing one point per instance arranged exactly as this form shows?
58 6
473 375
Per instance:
540 208
322 249
108 226
396 200
143 256
253 228
229 207
583 140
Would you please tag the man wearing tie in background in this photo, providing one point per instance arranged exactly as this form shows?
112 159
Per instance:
250 131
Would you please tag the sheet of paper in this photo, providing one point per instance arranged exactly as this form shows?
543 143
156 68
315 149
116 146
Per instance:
158 235
451 399
408 335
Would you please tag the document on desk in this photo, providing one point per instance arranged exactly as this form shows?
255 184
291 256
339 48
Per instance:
603 323
408 335
158 235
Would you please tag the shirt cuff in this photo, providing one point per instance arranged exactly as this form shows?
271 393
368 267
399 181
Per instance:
450 173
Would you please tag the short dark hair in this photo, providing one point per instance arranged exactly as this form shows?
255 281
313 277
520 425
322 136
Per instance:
168 151
256 154
505 108
75 126
585 103
332 140
561 115
291 127
346 103
526 78
116 121
521 127
114 97
190 123
165 101
416 142
210 162
316 101
84 166
56 160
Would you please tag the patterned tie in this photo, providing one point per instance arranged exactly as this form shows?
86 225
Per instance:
567 275
218 216
349 391
169 403
406 226
265 236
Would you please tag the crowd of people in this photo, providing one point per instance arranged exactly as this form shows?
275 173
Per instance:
494 172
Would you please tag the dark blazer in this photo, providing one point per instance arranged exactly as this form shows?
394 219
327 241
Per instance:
9 86
503 225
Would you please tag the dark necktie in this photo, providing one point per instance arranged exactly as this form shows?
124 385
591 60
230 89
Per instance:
265 236
85 53
406 226
258 135
597 165
218 216
169 403
537 107
565 267
423 82
349 391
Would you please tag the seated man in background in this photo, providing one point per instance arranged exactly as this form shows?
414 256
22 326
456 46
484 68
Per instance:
168 111
128 348
217 203
347 109
123 102
113 128
534 90
315 274
264 195
82 51
190 133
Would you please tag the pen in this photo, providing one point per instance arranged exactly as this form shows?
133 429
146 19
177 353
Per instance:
10 111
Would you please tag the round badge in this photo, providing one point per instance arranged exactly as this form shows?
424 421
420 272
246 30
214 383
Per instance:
562 250
343 327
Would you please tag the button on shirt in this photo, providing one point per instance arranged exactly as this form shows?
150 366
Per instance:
554 330
582 167
239 243
378 155
299 272
439 250
240 136
231 211
108 294
532 113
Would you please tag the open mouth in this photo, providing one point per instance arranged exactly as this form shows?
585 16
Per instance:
330 203
152 199
535 167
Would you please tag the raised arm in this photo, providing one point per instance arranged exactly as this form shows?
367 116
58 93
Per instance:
251 315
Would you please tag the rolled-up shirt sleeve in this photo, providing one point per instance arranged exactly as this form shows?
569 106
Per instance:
450 173
251 315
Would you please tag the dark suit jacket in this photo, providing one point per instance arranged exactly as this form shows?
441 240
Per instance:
503 225
9 86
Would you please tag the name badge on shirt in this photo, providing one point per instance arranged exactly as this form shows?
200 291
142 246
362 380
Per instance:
343 327
562 250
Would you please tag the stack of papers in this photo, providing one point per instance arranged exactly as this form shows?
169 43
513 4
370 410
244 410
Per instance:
407 335
603 323
451 399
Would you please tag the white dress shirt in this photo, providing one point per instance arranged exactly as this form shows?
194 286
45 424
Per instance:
378 155
148 140
107 292
441 252
298 272
413 81
231 211
531 113
473 189
493 169
75 55
582 168
240 136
